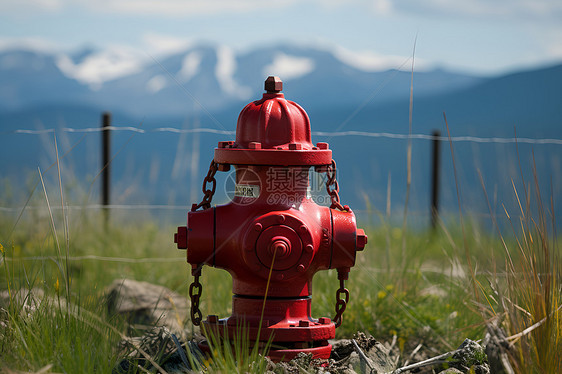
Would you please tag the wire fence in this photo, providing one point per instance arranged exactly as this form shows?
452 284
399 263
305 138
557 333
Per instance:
474 139
185 208
175 130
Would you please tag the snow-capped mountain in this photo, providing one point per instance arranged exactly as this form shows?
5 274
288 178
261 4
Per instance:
207 86
95 67
202 77
33 78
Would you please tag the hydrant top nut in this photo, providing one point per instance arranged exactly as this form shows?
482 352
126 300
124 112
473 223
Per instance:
273 84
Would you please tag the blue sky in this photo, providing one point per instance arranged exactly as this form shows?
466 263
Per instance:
478 36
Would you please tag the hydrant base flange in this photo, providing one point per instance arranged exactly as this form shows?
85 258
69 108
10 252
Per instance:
322 351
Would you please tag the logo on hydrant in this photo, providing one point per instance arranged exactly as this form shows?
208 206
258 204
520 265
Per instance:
272 246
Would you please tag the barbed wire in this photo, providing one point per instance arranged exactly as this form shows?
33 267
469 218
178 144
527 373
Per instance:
125 128
474 139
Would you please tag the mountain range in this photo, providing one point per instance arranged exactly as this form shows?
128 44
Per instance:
202 76
207 86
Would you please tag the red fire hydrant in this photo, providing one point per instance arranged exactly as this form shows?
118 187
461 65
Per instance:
272 237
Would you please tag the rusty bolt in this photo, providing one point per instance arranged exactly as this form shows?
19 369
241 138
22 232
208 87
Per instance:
258 226
309 248
254 145
281 218
212 318
322 145
304 323
223 167
273 84
301 268
180 238
361 239
225 144
324 320
295 146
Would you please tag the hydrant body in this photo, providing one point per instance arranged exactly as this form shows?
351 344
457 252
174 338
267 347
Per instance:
272 237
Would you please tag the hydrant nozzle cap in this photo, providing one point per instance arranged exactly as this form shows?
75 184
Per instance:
273 84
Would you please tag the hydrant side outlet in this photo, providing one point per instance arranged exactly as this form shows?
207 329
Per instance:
272 237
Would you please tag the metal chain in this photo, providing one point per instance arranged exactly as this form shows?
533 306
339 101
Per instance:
208 192
341 302
333 188
195 292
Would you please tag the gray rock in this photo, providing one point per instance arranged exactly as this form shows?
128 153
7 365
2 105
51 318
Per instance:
377 354
303 362
27 299
147 304
341 349
349 361
497 349
481 369
470 355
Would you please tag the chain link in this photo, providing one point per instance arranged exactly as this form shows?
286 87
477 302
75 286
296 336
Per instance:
333 188
195 292
341 302
208 192
195 288
342 294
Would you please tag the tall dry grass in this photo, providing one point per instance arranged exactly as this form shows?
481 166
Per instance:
526 299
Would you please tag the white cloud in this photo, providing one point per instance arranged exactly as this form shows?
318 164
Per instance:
382 7
370 61
525 10
552 45
185 7
165 44
289 67
32 5
508 9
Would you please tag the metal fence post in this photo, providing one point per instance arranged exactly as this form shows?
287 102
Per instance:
105 162
435 171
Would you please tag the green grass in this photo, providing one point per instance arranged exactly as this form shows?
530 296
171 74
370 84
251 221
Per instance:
426 297
69 339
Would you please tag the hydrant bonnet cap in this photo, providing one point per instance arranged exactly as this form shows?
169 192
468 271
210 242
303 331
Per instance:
273 131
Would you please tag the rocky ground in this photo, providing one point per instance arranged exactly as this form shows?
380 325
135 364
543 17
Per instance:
163 344
362 354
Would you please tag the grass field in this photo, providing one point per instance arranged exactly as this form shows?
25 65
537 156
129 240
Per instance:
434 288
